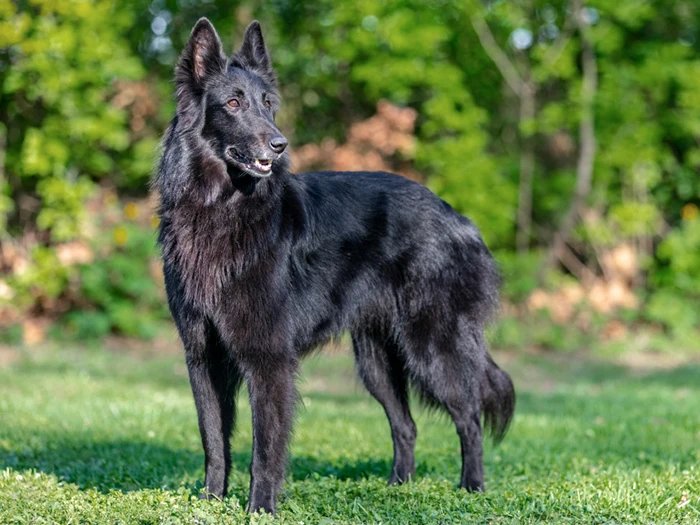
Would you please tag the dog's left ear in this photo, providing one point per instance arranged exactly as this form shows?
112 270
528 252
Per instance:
253 54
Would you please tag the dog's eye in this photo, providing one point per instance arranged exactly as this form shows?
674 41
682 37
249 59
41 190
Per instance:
267 104
234 103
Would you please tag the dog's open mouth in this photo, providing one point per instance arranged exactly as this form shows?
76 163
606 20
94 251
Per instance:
259 167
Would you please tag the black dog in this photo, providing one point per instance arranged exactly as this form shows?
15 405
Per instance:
261 266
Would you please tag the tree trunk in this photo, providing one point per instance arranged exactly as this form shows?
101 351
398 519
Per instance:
586 158
527 167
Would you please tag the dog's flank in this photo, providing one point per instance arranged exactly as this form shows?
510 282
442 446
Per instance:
261 266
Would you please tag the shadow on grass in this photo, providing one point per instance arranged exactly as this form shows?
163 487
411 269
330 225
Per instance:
107 465
303 467
685 376
133 465
601 372
611 391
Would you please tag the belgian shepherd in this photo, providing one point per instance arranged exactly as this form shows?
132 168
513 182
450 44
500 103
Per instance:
262 266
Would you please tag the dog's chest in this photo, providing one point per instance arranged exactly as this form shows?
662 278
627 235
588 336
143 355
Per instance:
201 249
223 260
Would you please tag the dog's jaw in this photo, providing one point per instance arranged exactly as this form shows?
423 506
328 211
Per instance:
256 167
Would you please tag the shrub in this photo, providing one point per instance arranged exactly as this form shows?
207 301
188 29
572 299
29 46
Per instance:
120 291
58 65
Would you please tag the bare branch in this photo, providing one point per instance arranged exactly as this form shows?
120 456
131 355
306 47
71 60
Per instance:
564 36
572 263
503 63
527 169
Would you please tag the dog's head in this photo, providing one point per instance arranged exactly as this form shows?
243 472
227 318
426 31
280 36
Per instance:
231 101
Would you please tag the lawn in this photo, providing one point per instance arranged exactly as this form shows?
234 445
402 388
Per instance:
90 435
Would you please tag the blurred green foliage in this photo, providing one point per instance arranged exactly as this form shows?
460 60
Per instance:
43 277
71 122
119 290
59 63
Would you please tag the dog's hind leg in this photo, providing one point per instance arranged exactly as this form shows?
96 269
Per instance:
466 416
449 375
382 372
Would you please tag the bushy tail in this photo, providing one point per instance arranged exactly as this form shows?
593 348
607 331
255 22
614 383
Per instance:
497 400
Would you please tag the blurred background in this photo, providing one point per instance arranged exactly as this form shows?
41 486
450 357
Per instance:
567 130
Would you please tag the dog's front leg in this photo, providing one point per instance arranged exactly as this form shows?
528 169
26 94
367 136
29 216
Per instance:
272 398
214 380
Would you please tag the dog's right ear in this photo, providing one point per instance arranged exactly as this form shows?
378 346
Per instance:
202 57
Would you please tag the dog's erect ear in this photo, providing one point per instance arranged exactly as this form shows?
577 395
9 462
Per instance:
253 54
202 57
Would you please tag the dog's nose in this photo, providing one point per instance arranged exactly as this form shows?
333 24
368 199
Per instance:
277 144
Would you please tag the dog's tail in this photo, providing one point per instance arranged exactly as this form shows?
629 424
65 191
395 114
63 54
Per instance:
497 400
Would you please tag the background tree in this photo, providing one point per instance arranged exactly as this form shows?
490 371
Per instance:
568 130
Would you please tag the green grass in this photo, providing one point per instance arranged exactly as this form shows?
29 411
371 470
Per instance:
90 436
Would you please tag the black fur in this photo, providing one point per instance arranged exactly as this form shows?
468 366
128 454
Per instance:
262 265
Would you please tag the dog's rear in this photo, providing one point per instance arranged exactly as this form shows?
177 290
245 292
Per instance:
426 285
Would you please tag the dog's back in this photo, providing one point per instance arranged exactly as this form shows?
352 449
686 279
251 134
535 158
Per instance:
378 240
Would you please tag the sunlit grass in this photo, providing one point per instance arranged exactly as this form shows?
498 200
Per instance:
90 436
